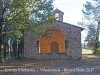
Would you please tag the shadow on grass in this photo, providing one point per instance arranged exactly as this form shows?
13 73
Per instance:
88 61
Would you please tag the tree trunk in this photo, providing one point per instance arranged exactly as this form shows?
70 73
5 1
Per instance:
3 9
1 42
1 36
97 39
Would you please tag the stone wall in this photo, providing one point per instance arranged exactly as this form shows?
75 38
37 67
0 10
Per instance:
72 38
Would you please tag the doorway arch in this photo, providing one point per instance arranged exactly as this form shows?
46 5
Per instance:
57 39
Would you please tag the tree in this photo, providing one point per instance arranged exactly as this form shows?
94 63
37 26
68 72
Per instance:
91 34
92 13
18 15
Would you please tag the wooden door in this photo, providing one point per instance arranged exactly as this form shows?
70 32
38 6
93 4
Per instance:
54 47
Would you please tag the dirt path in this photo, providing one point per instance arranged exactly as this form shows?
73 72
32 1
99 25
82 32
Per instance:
89 65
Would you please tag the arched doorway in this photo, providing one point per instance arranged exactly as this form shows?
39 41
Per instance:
54 47
55 44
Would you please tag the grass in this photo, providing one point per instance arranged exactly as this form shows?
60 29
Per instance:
99 50
87 51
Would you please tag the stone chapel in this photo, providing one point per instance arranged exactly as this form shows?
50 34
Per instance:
65 42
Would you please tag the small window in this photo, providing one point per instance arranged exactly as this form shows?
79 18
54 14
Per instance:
57 16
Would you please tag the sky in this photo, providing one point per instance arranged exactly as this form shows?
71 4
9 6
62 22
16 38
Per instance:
72 11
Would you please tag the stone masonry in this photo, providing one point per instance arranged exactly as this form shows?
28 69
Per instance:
72 38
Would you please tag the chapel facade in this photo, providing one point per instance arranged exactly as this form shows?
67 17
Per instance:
65 42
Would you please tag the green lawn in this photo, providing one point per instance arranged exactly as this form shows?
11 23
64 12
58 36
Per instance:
86 51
